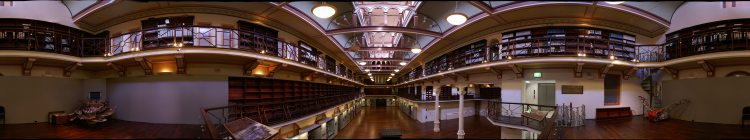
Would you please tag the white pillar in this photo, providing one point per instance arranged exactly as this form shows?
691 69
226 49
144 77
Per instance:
437 113
461 115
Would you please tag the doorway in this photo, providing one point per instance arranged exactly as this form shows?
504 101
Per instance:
541 92
380 102
546 94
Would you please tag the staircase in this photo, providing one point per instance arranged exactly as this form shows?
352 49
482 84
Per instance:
647 85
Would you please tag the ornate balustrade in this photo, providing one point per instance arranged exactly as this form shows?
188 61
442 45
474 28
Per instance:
215 117
511 113
183 36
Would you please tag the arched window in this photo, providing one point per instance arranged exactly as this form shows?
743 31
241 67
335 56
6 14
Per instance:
737 74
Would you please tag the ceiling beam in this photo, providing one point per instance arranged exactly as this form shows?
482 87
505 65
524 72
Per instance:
627 72
119 69
496 71
675 74
578 70
146 65
604 69
361 49
250 66
384 29
272 70
27 65
517 70
486 9
180 63
708 67
67 70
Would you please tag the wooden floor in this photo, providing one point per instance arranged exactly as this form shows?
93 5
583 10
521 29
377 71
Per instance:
112 129
368 123
639 128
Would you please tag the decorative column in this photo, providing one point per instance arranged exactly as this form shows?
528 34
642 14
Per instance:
437 113
461 115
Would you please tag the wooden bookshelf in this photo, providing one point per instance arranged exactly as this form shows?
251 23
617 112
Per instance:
154 37
490 93
257 38
568 41
378 91
271 100
446 93
726 35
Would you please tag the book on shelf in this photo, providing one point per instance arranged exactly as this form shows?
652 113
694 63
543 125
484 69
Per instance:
521 33
507 35
594 32
520 38
554 31
721 26
615 35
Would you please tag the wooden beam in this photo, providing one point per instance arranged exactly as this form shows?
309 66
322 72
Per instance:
67 70
180 63
710 70
316 75
497 72
27 65
331 80
119 69
146 65
465 76
627 72
304 75
604 69
673 72
272 70
518 70
578 70
250 66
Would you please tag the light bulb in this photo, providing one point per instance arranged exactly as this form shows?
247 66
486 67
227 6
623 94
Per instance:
362 63
456 18
416 50
402 63
324 10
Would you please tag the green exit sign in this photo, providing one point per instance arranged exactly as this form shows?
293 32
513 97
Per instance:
537 74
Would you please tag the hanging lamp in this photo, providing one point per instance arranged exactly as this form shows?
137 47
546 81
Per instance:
456 18
614 2
324 10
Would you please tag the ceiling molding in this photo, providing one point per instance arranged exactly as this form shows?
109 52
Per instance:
384 29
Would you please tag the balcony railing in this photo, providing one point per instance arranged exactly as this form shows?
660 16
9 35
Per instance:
511 113
217 116
443 97
185 36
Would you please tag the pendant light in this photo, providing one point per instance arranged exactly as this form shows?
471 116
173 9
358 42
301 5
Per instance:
324 10
369 74
392 74
416 48
614 2
355 46
396 70
456 18
402 63
363 60
367 70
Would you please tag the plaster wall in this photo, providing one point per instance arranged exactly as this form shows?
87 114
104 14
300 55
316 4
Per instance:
50 11
712 100
30 98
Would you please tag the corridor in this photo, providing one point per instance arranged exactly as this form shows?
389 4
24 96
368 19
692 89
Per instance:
368 123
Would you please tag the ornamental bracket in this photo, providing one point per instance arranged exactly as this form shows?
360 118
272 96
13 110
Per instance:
67 70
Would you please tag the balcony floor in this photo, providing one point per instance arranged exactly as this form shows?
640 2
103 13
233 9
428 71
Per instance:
639 128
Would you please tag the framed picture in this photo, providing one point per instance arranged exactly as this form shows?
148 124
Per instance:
572 89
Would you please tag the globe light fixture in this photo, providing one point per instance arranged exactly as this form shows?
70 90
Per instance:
614 2
392 74
324 10
396 70
370 74
362 63
416 50
367 70
456 18
402 63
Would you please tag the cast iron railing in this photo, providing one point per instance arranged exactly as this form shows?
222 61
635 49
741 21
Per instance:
510 113
215 117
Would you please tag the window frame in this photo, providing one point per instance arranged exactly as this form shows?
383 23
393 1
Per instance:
619 90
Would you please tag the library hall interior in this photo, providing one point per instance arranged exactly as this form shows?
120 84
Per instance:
141 69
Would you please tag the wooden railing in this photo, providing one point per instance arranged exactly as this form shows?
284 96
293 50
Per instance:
215 117
510 113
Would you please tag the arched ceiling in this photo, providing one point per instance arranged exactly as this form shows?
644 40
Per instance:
649 19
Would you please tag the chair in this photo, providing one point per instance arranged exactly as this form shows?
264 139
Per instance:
745 115
2 114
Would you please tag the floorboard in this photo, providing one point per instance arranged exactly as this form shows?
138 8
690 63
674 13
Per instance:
112 129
